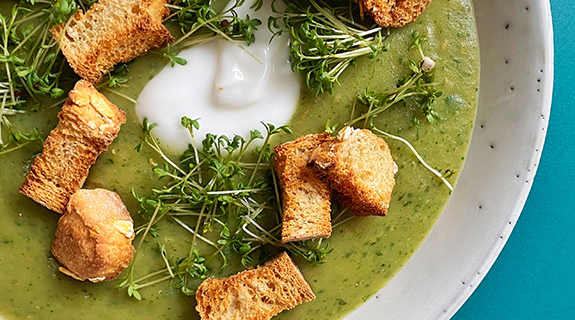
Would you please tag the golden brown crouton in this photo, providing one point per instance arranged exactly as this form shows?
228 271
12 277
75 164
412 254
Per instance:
254 294
360 168
94 237
393 13
305 196
110 32
88 124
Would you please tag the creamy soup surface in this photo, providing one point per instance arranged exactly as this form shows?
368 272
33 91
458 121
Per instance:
367 252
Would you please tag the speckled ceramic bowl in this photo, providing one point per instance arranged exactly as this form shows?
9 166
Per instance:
516 47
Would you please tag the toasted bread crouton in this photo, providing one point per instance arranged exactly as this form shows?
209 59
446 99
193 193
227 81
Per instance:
393 13
254 294
360 168
110 32
94 237
305 196
88 124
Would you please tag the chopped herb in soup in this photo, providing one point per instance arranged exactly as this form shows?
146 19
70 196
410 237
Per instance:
366 252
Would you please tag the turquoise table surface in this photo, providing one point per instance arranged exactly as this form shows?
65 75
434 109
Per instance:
534 277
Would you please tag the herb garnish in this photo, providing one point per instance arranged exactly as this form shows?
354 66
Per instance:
417 86
200 23
326 40
226 197
31 62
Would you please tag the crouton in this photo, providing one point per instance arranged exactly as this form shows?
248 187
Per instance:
393 13
254 294
88 124
305 196
94 236
110 32
360 168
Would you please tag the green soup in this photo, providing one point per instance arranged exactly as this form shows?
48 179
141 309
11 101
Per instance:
367 252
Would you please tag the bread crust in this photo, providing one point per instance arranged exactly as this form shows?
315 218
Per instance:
393 13
305 195
360 168
88 125
93 240
254 294
110 32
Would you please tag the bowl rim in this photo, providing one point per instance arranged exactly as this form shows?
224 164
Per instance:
455 294
547 89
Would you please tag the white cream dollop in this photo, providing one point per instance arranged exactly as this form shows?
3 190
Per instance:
226 88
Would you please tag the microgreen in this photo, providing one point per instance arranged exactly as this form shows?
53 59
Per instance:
224 195
30 62
435 172
200 23
173 57
418 86
17 140
326 40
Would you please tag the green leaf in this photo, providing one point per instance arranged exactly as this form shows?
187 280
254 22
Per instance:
132 292
180 61
56 93
190 123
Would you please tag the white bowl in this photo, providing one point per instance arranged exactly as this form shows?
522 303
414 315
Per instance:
516 47
514 104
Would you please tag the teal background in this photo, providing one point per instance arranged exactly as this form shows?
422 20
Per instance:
534 277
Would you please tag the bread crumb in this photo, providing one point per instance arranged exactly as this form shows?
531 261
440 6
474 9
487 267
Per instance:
93 240
254 294
393 13
111 32
359 166
306 203
81 135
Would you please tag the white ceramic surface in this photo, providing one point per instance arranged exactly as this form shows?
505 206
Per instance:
516 47
514 104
